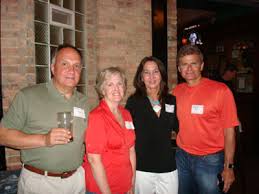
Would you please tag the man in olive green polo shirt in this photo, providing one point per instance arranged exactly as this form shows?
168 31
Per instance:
51 162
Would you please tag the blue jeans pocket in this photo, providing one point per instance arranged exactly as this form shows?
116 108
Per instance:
213 159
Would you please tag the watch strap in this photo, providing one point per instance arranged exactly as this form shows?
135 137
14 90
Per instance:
231 166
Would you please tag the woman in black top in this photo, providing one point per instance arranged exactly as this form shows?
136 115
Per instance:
154 115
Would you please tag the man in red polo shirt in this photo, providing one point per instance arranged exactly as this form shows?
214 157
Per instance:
207 117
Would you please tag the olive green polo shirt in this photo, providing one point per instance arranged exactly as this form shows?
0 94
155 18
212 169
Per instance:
34 111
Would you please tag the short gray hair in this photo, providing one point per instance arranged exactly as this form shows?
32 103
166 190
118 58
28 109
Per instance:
189 50
62 46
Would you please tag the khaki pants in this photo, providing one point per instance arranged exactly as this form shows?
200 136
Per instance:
32 183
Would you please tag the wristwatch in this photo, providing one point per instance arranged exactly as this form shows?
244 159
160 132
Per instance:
230 166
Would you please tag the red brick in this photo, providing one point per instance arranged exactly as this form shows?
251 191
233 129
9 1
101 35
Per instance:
14 166
12 152
13 159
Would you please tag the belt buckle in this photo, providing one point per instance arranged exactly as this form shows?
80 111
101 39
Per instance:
64 175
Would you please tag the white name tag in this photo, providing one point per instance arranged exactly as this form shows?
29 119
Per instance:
169 108
197 109
79 112
129 125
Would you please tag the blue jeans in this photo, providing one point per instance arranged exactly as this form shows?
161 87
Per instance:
198 174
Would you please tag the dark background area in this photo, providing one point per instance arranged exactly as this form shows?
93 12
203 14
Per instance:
229 31
159 30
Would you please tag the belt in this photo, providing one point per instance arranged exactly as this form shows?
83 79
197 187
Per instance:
205 155
46 173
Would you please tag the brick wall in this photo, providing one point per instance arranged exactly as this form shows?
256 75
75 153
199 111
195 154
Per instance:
118 33
17 55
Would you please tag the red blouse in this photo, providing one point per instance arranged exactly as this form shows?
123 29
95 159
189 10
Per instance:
106 137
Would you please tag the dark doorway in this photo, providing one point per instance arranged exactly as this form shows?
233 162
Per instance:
159 30
2 148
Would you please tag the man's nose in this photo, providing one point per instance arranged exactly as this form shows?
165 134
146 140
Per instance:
71 67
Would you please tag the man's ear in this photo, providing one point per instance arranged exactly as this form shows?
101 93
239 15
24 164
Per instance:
52 68
202 65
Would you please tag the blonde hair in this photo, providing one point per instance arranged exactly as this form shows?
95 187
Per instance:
105 74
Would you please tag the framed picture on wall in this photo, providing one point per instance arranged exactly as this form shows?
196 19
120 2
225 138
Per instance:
244 82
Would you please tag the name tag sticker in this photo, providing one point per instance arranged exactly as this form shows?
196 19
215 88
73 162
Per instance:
197 109
129 125
169 108
79 112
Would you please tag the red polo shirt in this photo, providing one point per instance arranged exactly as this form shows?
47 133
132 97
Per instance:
204 111
106 137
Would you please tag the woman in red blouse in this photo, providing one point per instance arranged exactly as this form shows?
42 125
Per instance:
110 138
